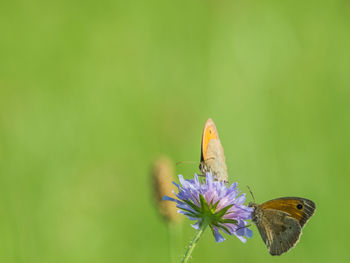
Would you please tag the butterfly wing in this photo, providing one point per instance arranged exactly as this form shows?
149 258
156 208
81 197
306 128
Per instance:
279 231
298 208
209 133
280 222
212 153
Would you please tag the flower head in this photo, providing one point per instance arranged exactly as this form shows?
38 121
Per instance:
213 203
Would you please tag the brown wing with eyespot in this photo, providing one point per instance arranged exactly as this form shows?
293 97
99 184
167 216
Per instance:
298 208
212 153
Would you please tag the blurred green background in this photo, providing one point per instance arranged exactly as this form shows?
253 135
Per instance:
91 92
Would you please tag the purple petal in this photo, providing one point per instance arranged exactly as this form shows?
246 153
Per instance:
196 225
248 233
167 198
241 238
217 235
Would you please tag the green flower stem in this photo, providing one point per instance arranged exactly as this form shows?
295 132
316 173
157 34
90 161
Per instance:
194 242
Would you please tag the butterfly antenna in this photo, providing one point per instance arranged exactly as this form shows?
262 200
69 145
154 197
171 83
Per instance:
210 158
180 162
243 227
251 193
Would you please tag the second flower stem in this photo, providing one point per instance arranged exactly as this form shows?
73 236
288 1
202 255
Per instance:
194 242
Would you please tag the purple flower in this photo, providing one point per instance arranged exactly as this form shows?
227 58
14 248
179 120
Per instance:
213 203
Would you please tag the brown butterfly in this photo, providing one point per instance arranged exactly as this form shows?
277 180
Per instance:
212 153
280 221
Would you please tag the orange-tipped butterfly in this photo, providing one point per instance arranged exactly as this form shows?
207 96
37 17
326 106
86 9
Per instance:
212 153
280 221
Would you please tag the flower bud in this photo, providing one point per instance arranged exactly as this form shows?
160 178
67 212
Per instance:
162 173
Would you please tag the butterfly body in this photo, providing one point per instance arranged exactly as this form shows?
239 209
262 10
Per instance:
212 153
280 221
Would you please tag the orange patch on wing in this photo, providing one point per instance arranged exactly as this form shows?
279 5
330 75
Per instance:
286 205
209 133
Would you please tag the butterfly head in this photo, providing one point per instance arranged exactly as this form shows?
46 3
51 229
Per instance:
255 212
